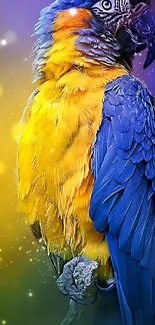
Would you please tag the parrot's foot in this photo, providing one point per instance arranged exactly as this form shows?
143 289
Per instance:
78 280
74 312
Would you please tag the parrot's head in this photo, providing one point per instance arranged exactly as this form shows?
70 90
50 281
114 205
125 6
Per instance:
116 30
131 22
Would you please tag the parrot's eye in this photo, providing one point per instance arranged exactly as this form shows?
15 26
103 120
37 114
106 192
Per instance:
106 4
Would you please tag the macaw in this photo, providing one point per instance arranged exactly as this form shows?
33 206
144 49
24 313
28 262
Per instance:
86 164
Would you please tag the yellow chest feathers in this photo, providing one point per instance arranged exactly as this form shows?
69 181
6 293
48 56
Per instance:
55 175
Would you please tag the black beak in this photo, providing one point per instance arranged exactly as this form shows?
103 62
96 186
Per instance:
138 33
142 24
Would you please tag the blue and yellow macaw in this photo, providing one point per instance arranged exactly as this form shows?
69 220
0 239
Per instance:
86 152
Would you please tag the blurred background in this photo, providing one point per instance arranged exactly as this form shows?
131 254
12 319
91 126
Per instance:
28 293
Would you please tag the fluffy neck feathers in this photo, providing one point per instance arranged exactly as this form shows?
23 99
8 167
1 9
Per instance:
73 40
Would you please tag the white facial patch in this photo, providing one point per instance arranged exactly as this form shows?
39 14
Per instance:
112 6
105 6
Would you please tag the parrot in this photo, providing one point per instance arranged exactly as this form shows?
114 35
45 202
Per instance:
86 152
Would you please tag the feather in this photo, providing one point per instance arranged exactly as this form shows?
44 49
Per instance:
55 167
124 206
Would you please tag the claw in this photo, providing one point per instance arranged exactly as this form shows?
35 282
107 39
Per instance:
78 280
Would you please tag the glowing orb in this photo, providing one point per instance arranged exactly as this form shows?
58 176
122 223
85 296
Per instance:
73 11
3 42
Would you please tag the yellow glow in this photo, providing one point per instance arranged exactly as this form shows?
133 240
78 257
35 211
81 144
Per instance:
16 130
1 90
2 168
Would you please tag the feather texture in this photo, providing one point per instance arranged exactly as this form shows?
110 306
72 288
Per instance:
55 175
123 198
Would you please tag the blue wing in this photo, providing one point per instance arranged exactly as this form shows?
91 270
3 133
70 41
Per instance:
123 200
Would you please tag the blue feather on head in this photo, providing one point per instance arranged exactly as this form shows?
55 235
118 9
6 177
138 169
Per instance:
44 29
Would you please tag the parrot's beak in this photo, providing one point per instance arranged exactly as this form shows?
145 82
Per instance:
139 32
143 23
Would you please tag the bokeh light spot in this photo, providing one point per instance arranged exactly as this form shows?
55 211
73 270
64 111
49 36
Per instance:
30 294
73 11
3 42
9 38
